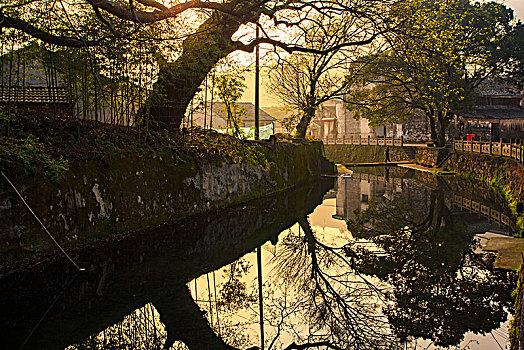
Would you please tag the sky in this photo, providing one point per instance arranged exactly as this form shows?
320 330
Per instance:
266 100
518 7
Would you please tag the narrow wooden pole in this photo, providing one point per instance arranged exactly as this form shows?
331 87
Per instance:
257 87
205 104
260 300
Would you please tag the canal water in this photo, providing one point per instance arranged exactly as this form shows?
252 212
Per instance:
382 259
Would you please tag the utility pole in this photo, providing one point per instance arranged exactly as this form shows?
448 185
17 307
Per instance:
257 86
260 297
211 106
205 104
257 137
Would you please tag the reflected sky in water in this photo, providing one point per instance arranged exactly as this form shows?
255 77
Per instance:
379 264
380 260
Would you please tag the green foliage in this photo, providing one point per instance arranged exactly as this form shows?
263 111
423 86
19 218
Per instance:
230 148
435 60
497 182
514 48
230 85
514 326
30 155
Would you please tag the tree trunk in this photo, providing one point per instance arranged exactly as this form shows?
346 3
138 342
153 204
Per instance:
184 321
178 81
303 124
308 113
433 128
443 126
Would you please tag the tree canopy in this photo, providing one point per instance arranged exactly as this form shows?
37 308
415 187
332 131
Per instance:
192 36
439 54
305 80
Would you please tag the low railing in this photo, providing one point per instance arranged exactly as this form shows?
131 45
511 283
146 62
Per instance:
513 150
489 213
364 140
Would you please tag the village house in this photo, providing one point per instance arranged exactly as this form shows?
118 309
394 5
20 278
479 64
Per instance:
499 114
281 115
215 116
335 120
31 85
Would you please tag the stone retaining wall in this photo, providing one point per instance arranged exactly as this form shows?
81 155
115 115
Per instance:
361 154
127 192
426 156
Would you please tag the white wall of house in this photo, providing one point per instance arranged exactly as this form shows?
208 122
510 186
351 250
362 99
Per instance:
346 124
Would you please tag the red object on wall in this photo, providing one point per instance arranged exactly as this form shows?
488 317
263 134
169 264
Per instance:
469 137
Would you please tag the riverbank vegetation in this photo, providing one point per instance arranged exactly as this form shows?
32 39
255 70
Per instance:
514 326
31 143
435 61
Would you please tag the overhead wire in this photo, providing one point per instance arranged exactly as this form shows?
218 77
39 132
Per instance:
41 223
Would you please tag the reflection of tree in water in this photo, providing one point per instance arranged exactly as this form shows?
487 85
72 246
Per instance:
233 295
442 288
418 277
140 330
233 292
339 307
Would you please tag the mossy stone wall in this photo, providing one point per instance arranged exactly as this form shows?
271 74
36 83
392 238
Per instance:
362 154
126 192
504 175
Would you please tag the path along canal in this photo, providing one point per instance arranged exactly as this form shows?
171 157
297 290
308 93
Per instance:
380 260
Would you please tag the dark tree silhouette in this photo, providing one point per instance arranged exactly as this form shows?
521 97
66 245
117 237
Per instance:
101 22
442 288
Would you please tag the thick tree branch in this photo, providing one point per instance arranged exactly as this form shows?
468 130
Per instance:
153 3
296 48
106 22
125 13
15 23
295 346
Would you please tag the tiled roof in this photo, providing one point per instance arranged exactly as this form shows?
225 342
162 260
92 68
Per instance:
492 88
278 113
33 94
496 112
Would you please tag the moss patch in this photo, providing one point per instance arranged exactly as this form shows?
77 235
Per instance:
361 153
514 327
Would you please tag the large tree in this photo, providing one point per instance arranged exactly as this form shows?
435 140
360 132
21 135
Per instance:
434 61
303 81
89 23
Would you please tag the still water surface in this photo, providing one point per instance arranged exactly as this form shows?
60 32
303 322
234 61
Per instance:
380 260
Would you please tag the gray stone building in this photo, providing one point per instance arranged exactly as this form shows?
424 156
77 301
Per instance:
334 120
